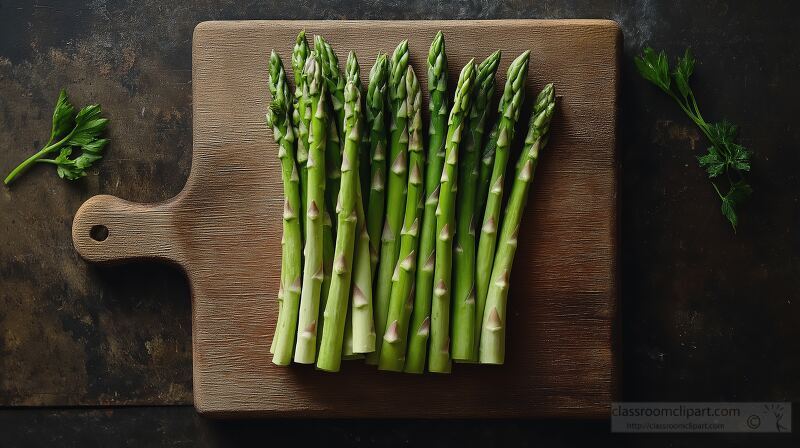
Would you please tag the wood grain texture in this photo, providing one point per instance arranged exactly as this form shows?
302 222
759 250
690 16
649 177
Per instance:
224 230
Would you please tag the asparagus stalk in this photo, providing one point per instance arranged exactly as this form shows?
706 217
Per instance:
419 328
328 249
347 338
278 118
464 328
333 159
485 171
393 350
362 325
361 303
347 341
439 357
508 110
280 303
333 152
395 190
301 116
330 354
364 156
492 342
376 106
305 350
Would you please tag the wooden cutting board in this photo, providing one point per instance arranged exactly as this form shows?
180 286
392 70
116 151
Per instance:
224 230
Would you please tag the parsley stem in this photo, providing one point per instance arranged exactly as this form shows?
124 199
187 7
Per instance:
693 114
717 190
32 159
27 163
694 105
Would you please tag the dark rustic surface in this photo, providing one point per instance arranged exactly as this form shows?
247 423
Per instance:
706 315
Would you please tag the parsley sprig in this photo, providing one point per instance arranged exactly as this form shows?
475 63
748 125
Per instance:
69 134
725 159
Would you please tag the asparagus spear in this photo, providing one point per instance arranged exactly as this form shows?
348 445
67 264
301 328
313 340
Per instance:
439 358
347 337
330 354
291 259
463 299
333 152
333 79
395 189
329 64
301 116
305 350
485 171
508 110
492 343
361 303
364 156
419 328
361 314
359 331
328 249
376 104
280 304
393 350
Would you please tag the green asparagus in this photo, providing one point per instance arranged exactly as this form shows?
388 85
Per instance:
419 328
361 303
393 350
280 305
464 327
330 354
333 152
492 342
395 190
305 350
291 260
328 249
301 117
376 107
439 357
485 172
333 79
508 110
347 337
361 314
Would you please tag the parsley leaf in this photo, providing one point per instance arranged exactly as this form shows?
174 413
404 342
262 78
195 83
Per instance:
725 156
713 162
63 117
683 71
654 68
70 132
737 194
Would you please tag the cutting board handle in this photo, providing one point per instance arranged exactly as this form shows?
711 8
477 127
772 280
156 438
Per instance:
109 229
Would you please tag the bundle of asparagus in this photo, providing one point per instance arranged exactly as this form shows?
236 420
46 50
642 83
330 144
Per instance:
407 233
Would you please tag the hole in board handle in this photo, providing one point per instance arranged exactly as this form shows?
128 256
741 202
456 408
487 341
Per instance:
98 232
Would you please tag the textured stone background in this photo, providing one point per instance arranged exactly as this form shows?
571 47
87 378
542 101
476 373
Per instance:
706 315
